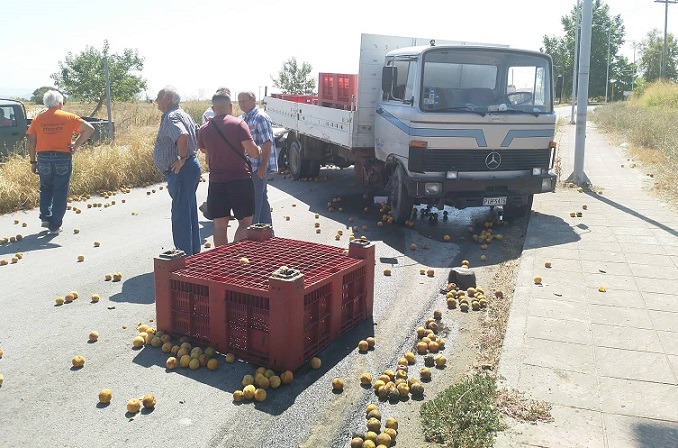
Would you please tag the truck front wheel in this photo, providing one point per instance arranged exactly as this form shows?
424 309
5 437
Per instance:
401 202
300 167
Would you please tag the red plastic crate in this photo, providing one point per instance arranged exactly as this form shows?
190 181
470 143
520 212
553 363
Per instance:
304 99
277 321
338 90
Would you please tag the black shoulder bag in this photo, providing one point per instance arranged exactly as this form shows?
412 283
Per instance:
223 137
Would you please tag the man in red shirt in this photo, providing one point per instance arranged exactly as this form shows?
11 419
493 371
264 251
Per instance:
226 140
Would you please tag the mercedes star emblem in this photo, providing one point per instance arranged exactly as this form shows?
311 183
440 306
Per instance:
493 160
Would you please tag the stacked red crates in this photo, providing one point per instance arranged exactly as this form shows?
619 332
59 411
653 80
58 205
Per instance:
277 319
304 99
337 90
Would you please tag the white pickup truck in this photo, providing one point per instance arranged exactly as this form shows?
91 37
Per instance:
438 123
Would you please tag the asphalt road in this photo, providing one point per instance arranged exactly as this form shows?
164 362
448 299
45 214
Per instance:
46 402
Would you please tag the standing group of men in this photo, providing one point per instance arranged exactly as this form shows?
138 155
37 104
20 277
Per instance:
240 153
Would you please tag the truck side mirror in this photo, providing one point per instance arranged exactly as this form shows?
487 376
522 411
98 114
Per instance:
388 75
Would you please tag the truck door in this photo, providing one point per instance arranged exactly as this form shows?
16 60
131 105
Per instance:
11 133
392 120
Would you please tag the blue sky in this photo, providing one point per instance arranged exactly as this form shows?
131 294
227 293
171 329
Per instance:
198 46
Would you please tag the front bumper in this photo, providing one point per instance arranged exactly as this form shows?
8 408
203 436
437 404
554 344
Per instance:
462 193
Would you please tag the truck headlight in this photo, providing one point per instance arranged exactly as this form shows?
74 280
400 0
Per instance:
546 184
537 171
452 174
432 188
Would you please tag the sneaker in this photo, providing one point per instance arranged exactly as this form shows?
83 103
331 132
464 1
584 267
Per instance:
45 224
55 231
205 211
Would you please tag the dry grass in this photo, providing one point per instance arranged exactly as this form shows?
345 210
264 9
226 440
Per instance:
516 405
126 163
647 125
130 116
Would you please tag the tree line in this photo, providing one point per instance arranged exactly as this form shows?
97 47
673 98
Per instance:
607 38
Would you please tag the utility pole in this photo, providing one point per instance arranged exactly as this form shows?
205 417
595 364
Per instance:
662 68
634 44
607 75
578 176
574 63
111 134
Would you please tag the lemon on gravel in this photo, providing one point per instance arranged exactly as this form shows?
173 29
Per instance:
260 394
78 361
275 381
148 401
133 405
248 391
247 380
105 396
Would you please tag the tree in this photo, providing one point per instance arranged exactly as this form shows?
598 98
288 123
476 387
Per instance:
82 76
294 79
39 93
561 49
651 50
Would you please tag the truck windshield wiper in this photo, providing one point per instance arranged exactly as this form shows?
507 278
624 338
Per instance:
518 111
462 109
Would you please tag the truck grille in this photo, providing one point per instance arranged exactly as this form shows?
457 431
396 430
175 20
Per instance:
426 160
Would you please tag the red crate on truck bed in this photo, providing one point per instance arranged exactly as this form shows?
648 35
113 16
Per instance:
304 99
262 314
338 90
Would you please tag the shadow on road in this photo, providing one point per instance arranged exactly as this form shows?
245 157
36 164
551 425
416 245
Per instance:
551 231
228 377
632 212
139 289
32 242
656 434
356 208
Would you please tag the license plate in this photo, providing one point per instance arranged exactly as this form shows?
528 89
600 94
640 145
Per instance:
495 201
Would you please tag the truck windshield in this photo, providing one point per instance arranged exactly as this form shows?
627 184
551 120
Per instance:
486 80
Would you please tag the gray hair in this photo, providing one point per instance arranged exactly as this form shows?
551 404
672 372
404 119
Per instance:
171 91
249 94
222 90
52 98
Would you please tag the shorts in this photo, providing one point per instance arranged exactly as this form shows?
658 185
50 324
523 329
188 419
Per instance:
236 196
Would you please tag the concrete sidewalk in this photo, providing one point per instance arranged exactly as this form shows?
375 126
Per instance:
607 361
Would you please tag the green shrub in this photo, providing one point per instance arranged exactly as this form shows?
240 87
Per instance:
465 415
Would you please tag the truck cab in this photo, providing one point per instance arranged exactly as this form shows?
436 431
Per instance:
438 123
13 125
466 125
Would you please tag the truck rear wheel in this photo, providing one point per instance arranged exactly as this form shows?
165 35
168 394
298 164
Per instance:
401 203
518 211
300 167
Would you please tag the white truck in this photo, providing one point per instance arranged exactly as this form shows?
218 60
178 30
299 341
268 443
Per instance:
437 123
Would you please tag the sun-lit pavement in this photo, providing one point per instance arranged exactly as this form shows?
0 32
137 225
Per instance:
607 361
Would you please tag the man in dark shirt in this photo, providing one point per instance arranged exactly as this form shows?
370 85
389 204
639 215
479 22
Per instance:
227 141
